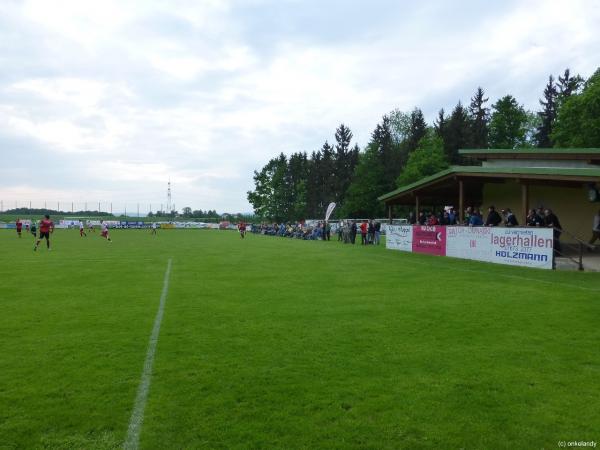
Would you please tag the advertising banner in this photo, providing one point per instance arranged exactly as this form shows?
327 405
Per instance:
429 239
469 243
526 247
398 237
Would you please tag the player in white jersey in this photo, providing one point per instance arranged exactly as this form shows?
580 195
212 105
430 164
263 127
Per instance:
153 228
104 233
81 229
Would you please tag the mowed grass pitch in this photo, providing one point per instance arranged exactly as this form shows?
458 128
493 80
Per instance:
279 343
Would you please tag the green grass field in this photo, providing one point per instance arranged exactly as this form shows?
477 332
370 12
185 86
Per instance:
279 343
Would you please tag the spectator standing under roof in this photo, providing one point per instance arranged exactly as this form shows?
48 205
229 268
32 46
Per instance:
534 219
475 219
493 218
510 219
468 214
433 220
451 217
553 222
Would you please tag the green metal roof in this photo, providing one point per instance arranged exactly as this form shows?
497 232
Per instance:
528 151
556 171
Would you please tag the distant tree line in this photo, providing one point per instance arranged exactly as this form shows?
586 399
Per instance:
403 148
55 212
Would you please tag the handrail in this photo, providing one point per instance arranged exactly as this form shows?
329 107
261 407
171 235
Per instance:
581 245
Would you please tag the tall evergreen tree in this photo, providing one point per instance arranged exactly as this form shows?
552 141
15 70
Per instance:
440 124
418 128
479 117
367 184
297 177
458 133
388 153
345 162
313 185
508 125
568 85
547 115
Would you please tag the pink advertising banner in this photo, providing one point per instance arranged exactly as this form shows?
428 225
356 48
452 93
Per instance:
429 239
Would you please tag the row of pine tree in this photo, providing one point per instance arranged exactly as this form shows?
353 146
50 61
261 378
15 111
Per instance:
403 149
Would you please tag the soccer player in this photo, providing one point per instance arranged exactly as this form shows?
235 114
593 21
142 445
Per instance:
153 228
242 229
46 227
33 229
81 229
104 233
91 225
19 225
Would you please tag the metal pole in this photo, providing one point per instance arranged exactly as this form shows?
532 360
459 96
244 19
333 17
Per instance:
461 202
111 207
524 201
138 210
72 208
98 206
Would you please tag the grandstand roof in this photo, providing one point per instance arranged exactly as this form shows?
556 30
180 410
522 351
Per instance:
454 173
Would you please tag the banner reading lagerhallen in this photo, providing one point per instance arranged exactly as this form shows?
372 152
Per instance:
429 239
528 247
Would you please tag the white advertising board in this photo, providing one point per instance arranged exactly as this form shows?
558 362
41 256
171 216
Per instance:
398 237
525 247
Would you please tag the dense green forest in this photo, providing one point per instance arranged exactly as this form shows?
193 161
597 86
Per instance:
404 148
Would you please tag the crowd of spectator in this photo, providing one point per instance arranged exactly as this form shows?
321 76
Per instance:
319 231
369 232
348 231
473 217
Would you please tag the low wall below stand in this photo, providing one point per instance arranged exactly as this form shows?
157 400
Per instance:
525 247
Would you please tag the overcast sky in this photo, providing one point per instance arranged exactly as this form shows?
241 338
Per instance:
105 100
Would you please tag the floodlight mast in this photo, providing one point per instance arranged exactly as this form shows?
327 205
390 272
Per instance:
169 206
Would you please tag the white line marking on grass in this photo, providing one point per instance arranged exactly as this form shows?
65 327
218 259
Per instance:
137 416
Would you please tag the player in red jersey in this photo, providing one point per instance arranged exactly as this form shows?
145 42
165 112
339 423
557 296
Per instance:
46 227
242 229
104 233
19 225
